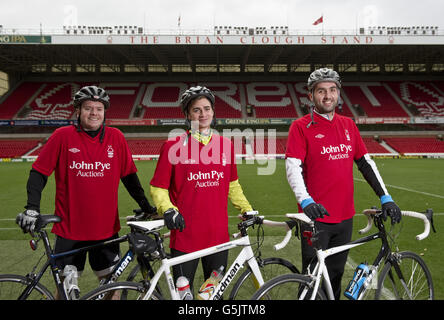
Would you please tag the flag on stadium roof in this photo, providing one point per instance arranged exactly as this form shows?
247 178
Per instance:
320 20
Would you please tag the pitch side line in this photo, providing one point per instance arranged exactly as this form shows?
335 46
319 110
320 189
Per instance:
407 189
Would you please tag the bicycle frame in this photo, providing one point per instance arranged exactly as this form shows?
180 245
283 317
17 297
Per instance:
320 271
385 254
245 256
51 262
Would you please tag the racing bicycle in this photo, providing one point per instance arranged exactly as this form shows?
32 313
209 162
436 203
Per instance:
254 274
404 275
29 287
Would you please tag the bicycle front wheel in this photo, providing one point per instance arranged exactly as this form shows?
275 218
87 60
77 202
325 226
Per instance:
407 277
288 287
120 291
13 285
247 283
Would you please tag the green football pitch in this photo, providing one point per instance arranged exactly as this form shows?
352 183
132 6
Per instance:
415 184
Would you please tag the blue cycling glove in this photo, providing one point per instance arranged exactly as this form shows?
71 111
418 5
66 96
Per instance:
312 209
389 208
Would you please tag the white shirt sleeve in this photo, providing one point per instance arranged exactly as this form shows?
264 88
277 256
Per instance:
295 179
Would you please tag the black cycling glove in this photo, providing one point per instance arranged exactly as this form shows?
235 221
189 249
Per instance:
173 219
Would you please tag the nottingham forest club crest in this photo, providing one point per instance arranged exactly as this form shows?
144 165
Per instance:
110 151
347 135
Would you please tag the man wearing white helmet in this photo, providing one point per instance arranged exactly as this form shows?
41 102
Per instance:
195 176
88 164
321 149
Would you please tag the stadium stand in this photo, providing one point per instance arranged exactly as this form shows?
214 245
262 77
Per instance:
374 99
52 100
416 145
145 146
17 99
12 148
374 147
422 95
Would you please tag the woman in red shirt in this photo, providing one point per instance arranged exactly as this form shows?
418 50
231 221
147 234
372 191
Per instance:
195 176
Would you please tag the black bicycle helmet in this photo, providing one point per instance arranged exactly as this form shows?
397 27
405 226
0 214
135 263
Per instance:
194 92
323 75
91 93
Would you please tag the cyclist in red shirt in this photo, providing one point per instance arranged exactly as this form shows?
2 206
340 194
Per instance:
88 163
321 149
195 176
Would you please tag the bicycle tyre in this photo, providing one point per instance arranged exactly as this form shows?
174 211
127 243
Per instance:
127 291
287 287
247 285
12 286
415 272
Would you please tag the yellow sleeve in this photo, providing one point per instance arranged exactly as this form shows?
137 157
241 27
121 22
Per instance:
237 197
161 199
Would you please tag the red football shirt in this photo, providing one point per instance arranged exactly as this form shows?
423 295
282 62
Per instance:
197 178
87 175
327 150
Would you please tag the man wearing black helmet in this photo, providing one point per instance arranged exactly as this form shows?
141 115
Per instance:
195 176
321 149
88 165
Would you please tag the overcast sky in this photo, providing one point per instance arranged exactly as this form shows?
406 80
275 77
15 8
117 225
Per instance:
205 14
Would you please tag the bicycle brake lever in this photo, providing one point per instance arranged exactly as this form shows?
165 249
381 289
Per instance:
429 215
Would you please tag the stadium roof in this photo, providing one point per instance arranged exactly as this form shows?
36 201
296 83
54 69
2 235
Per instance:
277 51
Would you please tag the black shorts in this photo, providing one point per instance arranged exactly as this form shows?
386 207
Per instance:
101 259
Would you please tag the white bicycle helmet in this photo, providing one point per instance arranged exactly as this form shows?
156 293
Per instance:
323 75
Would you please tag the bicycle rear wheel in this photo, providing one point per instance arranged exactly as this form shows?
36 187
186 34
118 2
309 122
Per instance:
247 285
120 291
13 285
288 287
406 278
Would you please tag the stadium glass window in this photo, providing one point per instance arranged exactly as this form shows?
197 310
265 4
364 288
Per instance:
4 84
206 68
229 68
157 68
394 67
109 68
181 68
438 67
370 67
38 68
347 68
85 68
278 68
61 68
254 68
300 68
417 67
133 68
318 66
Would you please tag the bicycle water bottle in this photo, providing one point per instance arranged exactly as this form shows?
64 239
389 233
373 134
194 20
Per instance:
71 282
183 288
208 287
356 285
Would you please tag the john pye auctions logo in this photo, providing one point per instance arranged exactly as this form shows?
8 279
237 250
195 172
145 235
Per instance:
337 152
213 178
94 169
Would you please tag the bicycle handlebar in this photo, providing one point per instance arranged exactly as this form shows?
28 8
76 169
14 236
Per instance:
426 218
299 216
273 224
